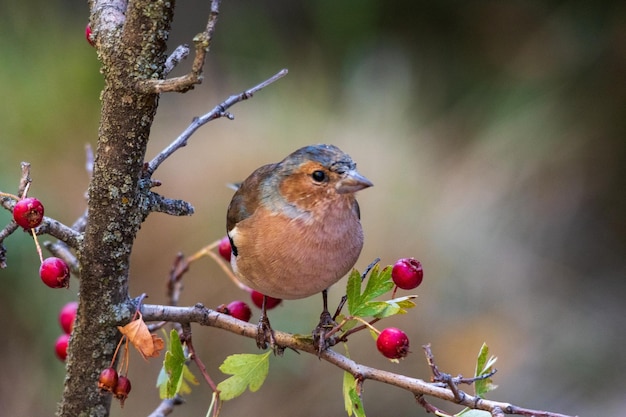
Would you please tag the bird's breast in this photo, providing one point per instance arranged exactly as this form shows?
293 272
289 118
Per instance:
296 256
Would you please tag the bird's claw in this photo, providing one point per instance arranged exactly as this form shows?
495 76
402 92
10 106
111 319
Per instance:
265 336
320 338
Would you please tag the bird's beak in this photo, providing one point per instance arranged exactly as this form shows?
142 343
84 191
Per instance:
352 182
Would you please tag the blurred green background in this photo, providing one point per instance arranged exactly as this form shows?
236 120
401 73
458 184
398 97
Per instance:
493 132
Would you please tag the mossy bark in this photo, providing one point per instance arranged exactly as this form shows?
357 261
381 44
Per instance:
131 44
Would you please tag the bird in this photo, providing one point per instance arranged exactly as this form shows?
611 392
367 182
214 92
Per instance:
295 229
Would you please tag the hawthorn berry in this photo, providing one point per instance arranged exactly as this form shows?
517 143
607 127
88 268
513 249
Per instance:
393 343
55 273
88 35
60 347
108 379
122 389
407 273
67 315
239 310
224 248
28 212
270 303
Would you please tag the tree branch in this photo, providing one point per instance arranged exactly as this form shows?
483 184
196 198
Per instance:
217 112
206 317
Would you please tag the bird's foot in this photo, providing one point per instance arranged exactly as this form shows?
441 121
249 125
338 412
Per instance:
320 334
265 336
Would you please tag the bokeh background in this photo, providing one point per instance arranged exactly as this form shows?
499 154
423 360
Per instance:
493 132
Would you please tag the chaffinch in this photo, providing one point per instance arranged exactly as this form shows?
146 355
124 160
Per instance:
294 226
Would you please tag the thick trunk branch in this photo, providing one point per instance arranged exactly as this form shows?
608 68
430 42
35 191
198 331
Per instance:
115 209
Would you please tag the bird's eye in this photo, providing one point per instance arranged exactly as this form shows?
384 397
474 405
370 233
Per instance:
318 176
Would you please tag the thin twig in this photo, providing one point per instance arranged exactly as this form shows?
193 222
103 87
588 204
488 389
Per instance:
217 112
181 52
192 353
24 180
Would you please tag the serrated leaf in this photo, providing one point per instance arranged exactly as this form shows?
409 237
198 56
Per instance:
247 370
351 398
363 304
484 365
378 283
371 309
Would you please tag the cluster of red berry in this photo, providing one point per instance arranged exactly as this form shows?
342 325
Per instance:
67 315
28 213
54 272
393 343
117 385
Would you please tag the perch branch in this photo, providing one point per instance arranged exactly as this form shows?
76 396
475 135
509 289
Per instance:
217 112
206 317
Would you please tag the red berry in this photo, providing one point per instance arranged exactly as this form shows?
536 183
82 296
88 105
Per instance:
28 212
270 303
224 248
108 379
393 343
407 273
60 347
55 273
88 35
122 389
67 315
239 310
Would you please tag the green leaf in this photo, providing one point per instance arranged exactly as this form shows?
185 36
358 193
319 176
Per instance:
247 370
378 283
351 398
353 291
175 376
371 309
363 304
484 365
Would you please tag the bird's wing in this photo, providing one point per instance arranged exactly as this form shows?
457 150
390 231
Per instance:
248 197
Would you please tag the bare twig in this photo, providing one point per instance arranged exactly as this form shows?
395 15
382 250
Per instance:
202 42
206 317
192 354
217 112
160 204
61 250
4 233
66 234
181 52
24 180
